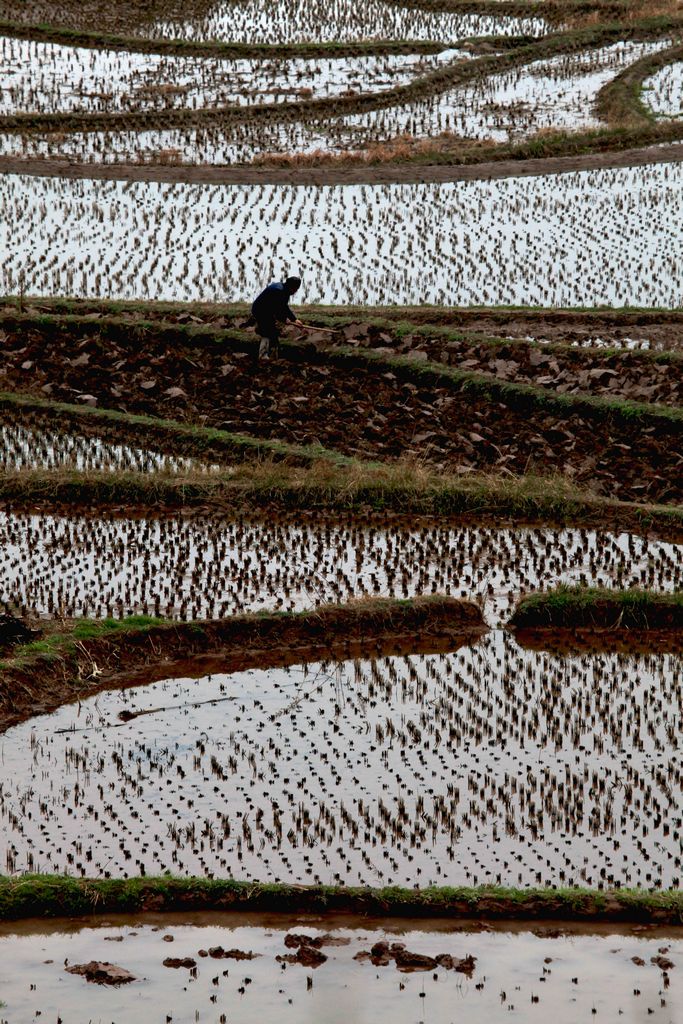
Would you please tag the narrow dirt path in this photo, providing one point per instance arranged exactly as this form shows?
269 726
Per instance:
348 174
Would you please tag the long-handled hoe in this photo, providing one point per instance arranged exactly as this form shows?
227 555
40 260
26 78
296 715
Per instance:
322 330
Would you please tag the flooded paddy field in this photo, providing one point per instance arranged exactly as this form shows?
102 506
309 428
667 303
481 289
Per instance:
552 94
488 765
556 93
663 93
573 973
471 243
189 77
344 20
208 568
23 447
52 78
262 22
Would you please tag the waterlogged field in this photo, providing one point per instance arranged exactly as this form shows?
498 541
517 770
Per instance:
259 21
498 80
482 762
30 448
559 93
46 77
487 765
612 236
663 93
574 976
207 568
262 22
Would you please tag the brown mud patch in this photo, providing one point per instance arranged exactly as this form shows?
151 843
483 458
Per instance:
36 682
365 406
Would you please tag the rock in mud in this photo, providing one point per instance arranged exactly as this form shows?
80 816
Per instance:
102 973
465 965
307 956
407 961
382 953
180 961
218 953
294 940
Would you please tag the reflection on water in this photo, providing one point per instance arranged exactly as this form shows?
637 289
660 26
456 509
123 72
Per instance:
486 765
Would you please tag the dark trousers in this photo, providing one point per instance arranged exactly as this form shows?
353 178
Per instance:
269 330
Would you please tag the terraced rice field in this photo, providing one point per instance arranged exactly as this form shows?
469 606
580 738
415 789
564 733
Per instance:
421 770
259 668
664 91
614 236
73 78
81 565
24 448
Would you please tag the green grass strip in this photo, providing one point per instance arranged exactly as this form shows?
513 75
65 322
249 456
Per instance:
361 490
365 613
522 398
51 305
620 101
569 607
51 896
400 328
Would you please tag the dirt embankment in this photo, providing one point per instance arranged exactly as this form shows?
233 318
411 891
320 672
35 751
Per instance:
50 896
611 610
368 411
359 173
73 665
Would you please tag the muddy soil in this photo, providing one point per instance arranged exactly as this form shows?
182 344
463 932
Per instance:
361 412
632 375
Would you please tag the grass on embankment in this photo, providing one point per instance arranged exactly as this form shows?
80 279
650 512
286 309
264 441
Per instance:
168 437
522 398
620 101
37 305
68 664
270 476
55 896
396 490
397 322
578 607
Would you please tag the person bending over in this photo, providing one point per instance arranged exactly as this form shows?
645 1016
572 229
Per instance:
271 309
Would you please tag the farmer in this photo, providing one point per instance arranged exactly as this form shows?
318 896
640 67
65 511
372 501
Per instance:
271 309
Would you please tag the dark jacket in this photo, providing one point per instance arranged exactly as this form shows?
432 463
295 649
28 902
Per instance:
272 304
